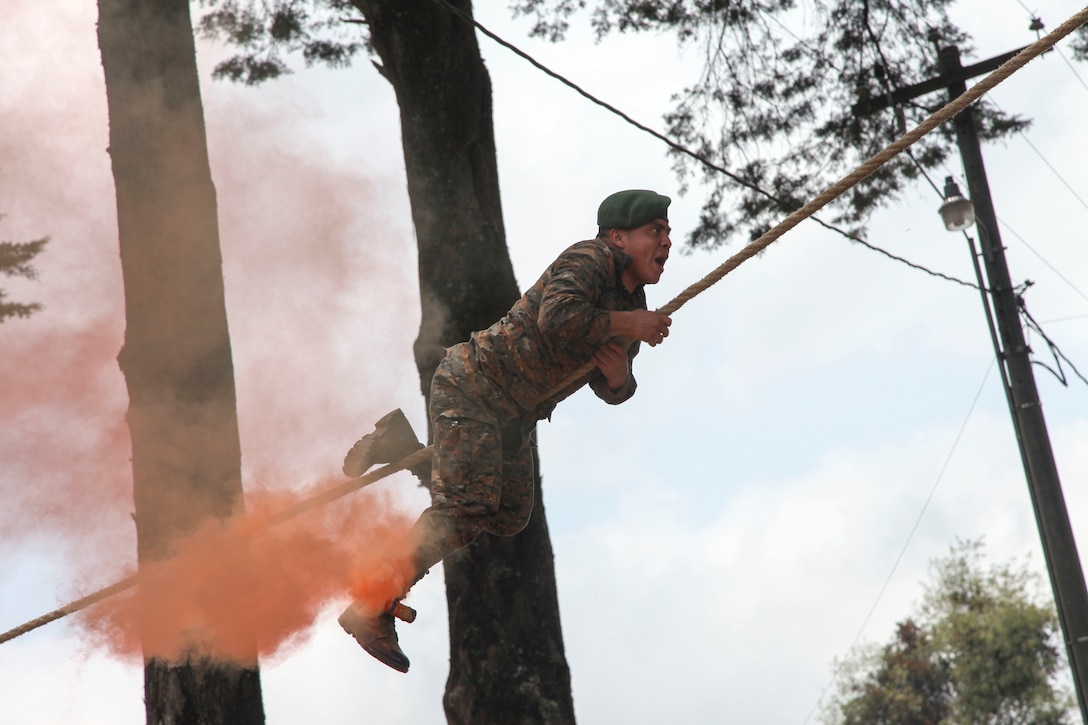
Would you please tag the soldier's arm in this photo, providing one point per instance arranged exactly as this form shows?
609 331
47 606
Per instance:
645 325
568 313
615 383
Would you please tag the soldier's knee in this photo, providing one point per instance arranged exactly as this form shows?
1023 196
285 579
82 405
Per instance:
507 527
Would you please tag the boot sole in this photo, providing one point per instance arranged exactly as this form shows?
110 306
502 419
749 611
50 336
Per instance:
396 663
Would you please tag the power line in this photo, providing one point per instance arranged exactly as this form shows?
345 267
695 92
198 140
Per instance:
1053 170
910 535
683 149
1037 25
1043 259
1049 165
1071 68
1055 351
900 118
1066 319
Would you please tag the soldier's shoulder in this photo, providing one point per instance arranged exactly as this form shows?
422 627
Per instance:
596 250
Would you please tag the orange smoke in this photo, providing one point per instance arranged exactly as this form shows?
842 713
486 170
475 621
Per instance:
232 579
316 363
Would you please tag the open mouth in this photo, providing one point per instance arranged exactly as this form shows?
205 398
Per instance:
659 261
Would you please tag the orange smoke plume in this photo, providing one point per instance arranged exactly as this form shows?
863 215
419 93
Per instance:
246 576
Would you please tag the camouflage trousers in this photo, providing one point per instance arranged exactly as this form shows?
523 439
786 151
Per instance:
482 468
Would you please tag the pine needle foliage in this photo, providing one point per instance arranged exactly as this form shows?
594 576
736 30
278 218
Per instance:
267 32
15 261
1080 43
775 99
772 95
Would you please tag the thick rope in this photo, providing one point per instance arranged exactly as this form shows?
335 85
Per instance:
830 194
904 142
837 189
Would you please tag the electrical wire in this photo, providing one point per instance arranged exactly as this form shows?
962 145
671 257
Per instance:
1032 324
1049 165
1055 351
1053 170
910 535
686 151
1037 25
1043 259
1066 318
1071 68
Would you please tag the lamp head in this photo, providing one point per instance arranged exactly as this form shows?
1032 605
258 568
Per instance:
957 212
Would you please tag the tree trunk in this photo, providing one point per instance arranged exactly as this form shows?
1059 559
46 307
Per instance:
507 663
176 357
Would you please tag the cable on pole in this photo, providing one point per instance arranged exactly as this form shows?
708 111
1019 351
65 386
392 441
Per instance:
889 152
680 148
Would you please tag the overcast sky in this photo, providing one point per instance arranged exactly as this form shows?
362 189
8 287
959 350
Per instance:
819 426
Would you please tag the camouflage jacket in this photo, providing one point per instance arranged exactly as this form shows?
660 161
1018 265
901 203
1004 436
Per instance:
555 328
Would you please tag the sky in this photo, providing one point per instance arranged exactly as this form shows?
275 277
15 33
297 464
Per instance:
818 427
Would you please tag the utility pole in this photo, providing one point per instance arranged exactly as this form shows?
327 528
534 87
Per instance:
1052 518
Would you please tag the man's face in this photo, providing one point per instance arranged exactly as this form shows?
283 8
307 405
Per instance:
649 247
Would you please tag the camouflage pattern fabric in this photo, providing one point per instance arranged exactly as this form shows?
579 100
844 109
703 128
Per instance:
482 468
488 393
556 327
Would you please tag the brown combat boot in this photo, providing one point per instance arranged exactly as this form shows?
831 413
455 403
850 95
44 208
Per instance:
377 634
392 440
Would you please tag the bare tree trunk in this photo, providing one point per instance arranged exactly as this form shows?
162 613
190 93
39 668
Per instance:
176 358
507 663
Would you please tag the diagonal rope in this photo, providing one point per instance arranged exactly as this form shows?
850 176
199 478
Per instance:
889 152
830 194
902 143
678 148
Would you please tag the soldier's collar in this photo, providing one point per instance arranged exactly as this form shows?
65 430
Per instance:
622 260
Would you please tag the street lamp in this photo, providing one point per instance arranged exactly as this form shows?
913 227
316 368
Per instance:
1014 359
957 212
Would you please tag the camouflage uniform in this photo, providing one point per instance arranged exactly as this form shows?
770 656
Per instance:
488 393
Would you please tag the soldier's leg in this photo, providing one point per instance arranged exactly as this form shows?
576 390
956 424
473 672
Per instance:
391 440
466 479
466 487
516 497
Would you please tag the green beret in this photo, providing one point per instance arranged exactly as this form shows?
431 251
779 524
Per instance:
632 208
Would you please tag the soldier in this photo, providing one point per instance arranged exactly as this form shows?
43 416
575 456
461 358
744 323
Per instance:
488 393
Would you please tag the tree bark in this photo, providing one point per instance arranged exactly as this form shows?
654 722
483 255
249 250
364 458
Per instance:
176 357
507 662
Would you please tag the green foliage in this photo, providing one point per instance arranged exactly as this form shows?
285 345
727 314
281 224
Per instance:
981 652
1080 43
775 98
265 32
15 258
1003 644
912 685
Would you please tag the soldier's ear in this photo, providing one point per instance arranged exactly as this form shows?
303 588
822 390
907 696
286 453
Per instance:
617 238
